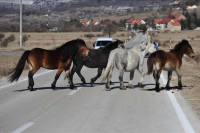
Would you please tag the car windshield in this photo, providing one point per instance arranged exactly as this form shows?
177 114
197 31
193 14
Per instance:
102 43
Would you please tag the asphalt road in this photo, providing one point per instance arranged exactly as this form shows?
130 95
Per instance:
93 109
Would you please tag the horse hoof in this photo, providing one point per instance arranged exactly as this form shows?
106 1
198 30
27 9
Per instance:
122 88
107 89
157 90
180 87
91 85
140 85
31 88
73 88
83 81
130 86
167 88
111 83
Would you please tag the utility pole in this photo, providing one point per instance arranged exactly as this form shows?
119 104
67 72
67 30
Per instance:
20 25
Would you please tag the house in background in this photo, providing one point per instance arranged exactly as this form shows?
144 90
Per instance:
94 23
171 22
157 25
131 22
86 23
163 24
174 25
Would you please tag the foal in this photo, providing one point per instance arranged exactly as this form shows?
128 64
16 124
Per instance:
169 61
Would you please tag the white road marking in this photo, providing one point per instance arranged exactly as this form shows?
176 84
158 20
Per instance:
74 91
179 112
25 79
23 127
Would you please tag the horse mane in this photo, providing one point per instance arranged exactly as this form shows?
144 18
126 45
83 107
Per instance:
70 48
178 46
111 46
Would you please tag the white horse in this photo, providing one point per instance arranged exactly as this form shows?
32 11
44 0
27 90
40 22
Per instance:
127 61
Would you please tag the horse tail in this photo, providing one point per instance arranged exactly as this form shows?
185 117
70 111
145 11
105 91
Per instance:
150 63
109 66
17 71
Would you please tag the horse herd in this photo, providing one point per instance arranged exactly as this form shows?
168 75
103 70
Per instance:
113 55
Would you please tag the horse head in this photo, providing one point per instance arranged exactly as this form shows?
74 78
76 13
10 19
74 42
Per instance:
120 43
187 49
83 50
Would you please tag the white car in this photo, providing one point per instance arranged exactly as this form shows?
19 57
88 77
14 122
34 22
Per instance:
102 42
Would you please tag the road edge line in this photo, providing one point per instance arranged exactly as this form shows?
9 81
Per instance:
23 127
179 112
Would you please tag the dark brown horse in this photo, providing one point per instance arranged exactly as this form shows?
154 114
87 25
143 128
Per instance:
98 58
59 58
169 61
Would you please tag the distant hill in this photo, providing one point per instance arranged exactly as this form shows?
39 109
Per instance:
77 1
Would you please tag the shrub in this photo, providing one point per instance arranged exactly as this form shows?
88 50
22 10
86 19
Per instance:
197 57
99 35
1 36
11 38
25 38
5 42
89 36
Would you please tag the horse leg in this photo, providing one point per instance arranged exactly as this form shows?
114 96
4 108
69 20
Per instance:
178 72
31 81
140 69
157 76
122 87
53 85
78 71
108 79
130 84
97 76
169 78
30 78
68 76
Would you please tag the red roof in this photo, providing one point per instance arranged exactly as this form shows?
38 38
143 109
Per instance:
93 22
84 22
137 21
157 20
130 20
165 21
176 23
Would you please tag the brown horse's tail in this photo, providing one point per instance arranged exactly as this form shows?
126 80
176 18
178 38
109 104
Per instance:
150 63
17 71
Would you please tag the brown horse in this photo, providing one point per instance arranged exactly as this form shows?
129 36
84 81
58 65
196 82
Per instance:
169 61
59 58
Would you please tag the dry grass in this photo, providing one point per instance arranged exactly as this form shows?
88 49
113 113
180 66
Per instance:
190 67
7 63
52 40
